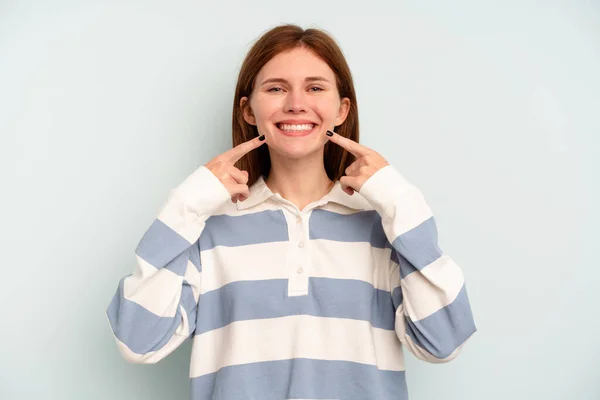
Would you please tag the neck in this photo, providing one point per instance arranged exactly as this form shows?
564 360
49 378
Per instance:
300 181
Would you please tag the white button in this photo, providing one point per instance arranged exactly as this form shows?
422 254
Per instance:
298 219
300 271
301 245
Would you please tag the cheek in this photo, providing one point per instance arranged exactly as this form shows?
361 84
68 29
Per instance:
264 107
326 108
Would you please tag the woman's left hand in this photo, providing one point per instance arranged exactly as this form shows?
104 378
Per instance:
367 162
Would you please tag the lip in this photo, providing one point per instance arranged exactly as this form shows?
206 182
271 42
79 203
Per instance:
296 122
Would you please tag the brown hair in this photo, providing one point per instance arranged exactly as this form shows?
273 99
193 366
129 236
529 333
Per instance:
284 38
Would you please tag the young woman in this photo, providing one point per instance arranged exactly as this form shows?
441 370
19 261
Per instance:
299 260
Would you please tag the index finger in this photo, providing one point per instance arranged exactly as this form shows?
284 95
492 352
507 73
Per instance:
357 149
234 154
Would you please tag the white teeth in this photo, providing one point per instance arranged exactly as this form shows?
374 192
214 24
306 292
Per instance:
296 128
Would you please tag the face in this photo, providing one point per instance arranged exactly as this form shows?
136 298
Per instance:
294 102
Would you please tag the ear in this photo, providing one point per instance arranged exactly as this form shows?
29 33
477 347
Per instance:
247 111
343 111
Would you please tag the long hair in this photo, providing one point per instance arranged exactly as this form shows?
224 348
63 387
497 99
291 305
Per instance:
277 40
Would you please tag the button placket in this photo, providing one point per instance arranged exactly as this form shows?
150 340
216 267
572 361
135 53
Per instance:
298 278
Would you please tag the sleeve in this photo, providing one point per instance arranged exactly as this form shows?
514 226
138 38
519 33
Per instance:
154 309
433 317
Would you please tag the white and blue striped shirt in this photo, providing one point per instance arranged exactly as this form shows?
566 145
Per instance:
285 303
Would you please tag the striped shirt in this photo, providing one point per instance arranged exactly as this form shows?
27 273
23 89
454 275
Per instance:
283 303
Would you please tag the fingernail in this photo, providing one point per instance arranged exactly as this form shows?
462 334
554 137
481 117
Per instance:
329 133
261 137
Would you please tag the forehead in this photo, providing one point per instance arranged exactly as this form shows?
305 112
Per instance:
295 64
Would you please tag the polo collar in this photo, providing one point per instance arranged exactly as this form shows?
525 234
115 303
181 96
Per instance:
260 192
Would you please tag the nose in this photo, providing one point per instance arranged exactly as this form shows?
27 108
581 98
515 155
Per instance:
295 102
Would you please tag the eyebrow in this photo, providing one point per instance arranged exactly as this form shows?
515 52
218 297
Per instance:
307 79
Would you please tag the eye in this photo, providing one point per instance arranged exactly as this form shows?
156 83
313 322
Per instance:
316 87
274 89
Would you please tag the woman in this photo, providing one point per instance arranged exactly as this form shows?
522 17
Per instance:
299 260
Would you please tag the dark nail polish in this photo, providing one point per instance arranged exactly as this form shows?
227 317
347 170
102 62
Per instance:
261 137
329 133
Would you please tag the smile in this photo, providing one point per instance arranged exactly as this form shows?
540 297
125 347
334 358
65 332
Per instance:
296 129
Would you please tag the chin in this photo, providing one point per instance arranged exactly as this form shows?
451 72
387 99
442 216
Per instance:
297 150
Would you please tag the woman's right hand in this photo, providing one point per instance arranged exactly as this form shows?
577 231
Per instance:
234 179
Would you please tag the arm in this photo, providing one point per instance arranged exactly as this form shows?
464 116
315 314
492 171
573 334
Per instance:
154 309
433 314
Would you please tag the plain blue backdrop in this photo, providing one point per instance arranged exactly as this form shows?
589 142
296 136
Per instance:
490 108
